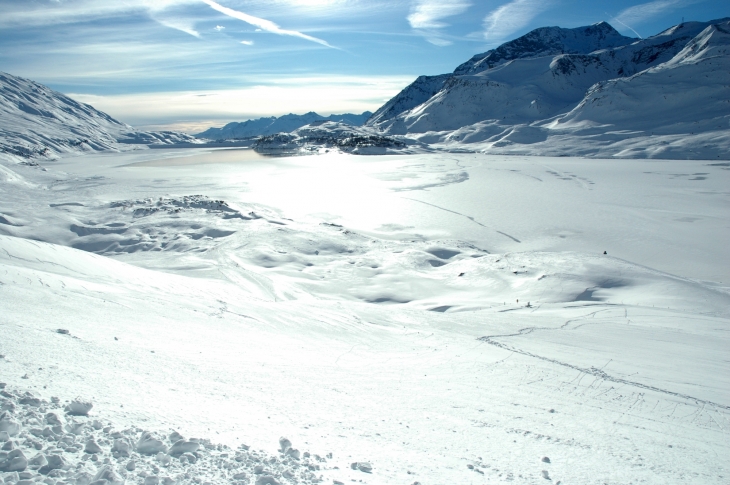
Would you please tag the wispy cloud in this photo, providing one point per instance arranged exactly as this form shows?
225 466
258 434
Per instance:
323 94
507 19
169 13
646 11
427 16
183 25
263 24
72 11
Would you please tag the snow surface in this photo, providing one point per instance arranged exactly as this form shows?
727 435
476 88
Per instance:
443 318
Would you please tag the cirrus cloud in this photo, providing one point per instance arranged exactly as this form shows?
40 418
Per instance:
647 11
263 24
507 19
427 16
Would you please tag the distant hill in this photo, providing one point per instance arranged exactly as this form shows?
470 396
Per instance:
37 121
282 124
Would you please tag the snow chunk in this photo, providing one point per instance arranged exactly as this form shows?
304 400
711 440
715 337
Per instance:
181 446
78 407
14 461
150 445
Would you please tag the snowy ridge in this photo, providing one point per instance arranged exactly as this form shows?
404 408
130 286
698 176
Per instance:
37 121
540 42
419 91
524 104
547 41
282 124
688 93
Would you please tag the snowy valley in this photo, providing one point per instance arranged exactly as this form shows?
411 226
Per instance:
442 313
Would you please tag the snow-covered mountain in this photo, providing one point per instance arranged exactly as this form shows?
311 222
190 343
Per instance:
520 95
540 42
688 93
416 93
35 120
283 124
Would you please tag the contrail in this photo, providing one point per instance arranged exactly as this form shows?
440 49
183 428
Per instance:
617 20
264 24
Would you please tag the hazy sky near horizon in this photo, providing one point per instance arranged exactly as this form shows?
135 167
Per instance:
189 64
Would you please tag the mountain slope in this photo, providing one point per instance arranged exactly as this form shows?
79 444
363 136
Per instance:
419 91
531 86
609 102
688 93
35 120
282 124
537 43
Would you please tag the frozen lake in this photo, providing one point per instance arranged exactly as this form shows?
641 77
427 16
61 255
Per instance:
205 157
671 213
446 318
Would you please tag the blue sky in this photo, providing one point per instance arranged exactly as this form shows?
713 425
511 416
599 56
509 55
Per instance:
189 64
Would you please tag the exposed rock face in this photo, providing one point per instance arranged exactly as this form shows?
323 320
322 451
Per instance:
328 136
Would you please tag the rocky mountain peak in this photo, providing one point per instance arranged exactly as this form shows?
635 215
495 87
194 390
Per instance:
547 41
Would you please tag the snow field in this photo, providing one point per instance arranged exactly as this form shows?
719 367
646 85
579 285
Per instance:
290 325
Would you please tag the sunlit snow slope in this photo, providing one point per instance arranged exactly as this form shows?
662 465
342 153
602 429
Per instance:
37 121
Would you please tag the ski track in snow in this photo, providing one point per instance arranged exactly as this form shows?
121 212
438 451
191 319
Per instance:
464 215
598 373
